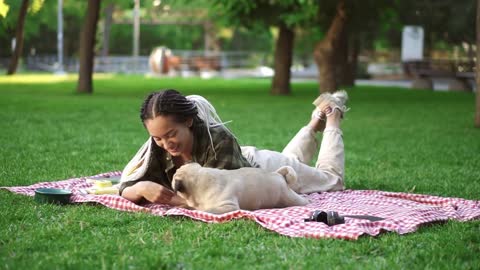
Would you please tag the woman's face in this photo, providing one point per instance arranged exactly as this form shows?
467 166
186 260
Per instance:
175 138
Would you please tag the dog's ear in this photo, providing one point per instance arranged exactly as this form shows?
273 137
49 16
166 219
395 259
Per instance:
178 186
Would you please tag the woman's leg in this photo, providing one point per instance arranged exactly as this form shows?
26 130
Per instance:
309 179
331 157
302 146
328 173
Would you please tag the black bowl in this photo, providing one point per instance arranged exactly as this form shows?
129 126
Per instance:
52 195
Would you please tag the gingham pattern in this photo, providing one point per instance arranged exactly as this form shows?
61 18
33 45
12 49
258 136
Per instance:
403 212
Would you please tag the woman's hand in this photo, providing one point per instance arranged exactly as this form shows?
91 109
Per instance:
154 192
151 191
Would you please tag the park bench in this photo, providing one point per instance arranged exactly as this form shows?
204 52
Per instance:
423 71
162 60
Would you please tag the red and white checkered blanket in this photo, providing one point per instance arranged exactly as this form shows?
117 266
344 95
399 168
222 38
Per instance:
403 212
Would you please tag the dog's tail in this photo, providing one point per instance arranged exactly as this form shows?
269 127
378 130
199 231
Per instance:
289 174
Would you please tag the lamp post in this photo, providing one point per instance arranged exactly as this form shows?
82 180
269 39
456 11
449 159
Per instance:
136 32
59 69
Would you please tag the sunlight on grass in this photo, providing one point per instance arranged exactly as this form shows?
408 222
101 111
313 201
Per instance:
47 78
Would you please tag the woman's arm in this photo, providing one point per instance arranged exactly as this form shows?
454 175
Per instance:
151 191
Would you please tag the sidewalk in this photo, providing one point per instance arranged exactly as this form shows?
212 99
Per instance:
439 84
384 78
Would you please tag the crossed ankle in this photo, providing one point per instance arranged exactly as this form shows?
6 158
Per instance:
316 124
317 114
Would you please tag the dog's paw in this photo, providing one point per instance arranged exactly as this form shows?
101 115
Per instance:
305 201
222 209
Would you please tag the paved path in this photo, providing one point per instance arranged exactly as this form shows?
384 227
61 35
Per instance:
265 72
438 84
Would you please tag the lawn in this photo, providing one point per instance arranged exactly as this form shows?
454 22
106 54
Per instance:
396 140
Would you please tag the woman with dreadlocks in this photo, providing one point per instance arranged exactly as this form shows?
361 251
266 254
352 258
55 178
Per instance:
187 129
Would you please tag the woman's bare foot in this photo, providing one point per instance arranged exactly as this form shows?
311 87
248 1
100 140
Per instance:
317 124
333 118
329 110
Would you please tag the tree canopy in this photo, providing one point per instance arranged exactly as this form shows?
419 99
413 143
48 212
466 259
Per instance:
447 23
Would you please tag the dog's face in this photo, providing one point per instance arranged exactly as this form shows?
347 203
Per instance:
185 181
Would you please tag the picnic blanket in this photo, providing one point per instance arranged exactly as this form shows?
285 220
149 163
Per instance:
403 212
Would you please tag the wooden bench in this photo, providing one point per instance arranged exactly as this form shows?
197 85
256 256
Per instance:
423 71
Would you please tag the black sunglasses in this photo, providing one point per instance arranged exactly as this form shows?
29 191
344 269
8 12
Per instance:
333 218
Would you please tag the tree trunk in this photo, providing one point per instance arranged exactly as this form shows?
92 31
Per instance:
350 61
477 71
283 61
211 42
12 67
87 43
343 68
324 52
107 23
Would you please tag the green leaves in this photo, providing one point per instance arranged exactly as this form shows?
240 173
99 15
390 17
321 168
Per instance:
35 6
3 8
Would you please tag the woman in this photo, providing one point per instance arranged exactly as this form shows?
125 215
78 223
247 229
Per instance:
184 129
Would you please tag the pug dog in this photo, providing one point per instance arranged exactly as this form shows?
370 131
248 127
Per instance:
220 191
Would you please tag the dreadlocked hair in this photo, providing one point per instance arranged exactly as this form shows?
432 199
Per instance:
167 102
208 114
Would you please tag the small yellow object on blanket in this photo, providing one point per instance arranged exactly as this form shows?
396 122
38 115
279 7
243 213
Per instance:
103 190
101 186
102 183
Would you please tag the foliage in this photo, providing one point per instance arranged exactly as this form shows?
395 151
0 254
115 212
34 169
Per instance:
443 20
446 22
41 24
4 8
13 6
182 37
267 15
393 142
9 21
264 12
256 38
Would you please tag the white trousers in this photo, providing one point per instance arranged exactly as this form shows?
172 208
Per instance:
328 173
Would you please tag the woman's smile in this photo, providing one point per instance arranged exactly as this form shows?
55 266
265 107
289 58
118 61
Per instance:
174 137
173 150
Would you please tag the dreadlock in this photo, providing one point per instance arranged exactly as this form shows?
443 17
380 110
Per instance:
167 102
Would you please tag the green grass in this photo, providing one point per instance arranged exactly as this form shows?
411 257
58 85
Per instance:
396 140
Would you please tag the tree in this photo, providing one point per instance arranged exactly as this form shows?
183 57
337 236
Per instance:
87 44
12 67
353 26
277 13
477 71
111 6
107 23
283 61
367 20
325 51
40 29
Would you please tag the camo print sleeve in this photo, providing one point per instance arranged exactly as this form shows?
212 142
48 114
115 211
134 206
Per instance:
227 154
